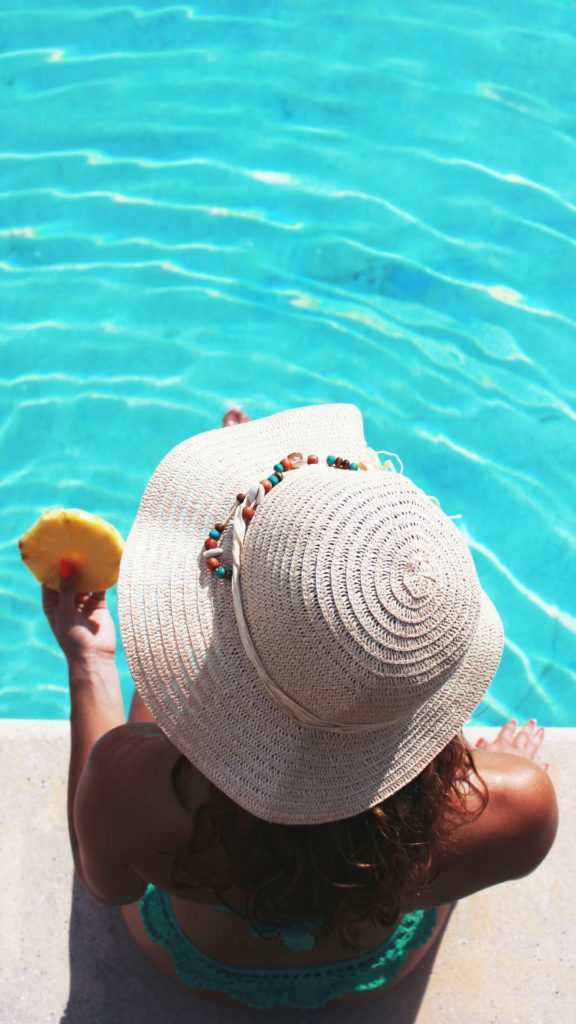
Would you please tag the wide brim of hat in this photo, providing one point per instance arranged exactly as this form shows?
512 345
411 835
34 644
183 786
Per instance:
189 664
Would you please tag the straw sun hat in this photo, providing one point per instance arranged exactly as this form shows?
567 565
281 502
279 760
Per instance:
351 643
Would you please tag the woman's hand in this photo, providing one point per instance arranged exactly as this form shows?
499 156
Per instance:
524 741
81 623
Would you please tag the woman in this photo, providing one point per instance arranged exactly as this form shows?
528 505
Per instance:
291 810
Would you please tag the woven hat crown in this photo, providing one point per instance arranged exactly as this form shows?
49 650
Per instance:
360 594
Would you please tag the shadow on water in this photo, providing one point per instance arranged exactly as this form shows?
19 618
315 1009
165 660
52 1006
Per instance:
112 981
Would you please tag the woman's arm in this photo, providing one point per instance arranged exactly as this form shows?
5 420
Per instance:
85 631
516 830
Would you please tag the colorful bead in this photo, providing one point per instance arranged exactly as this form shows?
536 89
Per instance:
255 494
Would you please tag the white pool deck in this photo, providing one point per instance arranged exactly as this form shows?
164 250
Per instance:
508 955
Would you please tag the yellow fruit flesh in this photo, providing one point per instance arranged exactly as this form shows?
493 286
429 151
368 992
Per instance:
88 543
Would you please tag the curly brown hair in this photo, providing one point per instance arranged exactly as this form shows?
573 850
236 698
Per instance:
339 873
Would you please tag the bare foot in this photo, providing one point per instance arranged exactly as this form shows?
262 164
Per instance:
524 741
234 416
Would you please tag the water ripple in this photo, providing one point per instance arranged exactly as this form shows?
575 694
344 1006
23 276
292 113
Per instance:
163 204
508 177
565 619
88 380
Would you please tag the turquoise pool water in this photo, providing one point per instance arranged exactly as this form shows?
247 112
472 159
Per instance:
272 204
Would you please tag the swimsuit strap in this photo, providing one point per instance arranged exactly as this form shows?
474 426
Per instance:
300 935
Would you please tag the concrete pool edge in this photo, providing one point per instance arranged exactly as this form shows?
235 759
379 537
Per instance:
507 953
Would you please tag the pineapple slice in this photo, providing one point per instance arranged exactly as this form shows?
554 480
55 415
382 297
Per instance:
88 543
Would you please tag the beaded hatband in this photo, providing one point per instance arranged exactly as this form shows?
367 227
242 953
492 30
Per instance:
212 549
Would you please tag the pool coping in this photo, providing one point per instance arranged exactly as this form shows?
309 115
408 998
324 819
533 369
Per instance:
506 955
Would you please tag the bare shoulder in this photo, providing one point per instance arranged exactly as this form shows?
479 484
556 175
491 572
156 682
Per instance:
522 813
130 770
125 746
119 767
125 806
509 839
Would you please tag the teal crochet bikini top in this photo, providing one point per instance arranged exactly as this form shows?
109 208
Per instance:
306 988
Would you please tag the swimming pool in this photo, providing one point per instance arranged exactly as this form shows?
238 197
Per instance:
274 204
